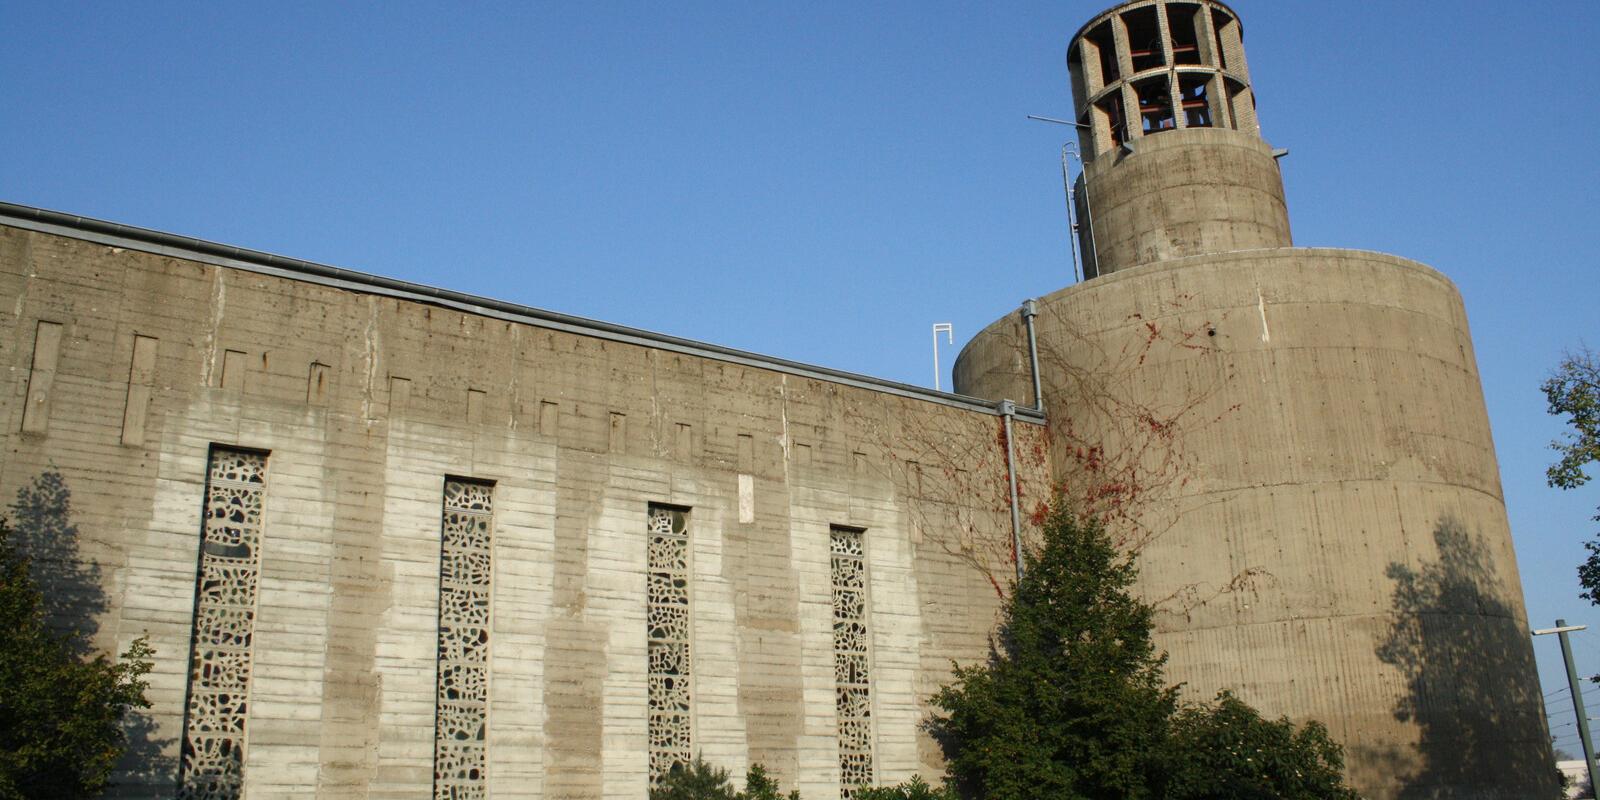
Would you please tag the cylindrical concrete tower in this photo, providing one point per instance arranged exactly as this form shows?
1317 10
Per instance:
1143 69
1295 440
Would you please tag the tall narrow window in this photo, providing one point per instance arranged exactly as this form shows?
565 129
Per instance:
461 711
1196 90
1144 38
224 624
667 640
1183 20
851 660
1155 105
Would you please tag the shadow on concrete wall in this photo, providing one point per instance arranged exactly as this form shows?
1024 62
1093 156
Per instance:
1472 690
74 602
41 521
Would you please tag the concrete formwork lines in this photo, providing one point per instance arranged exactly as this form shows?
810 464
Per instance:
351 611
1332 541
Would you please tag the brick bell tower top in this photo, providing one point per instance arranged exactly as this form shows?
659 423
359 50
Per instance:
1174 162
1151 66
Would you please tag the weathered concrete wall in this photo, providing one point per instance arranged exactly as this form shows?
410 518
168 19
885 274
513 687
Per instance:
367 402
1173 161
1297 442
1180 194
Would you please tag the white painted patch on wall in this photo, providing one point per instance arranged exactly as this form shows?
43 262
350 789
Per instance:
1261 306
219 297
747 498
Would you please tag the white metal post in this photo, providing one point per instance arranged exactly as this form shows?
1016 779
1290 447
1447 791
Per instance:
950 333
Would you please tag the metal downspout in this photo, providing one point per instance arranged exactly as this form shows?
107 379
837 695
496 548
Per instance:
1008 409
1030 309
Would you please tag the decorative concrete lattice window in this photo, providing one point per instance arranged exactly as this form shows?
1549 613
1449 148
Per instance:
224 624
851 660
461 716
667 623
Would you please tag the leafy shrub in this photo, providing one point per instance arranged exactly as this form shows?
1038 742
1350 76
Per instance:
914 789
1073 702
61 717
1226 751
699 780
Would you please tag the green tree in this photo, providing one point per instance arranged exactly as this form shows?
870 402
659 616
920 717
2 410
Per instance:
914 789
1225 750
758 785
699 780
1071 702
696 780
61 716
1573 390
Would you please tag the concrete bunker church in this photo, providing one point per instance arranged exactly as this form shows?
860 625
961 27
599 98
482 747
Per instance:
394 541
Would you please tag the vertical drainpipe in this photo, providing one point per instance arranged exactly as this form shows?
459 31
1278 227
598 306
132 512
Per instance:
1008 410
1030 309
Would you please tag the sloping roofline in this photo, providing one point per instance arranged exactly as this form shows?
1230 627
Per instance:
223 255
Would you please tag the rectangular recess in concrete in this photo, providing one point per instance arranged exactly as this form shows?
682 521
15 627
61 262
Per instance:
42 377
399 395
141 380
549 418
747 453
683 443
233 370
617 433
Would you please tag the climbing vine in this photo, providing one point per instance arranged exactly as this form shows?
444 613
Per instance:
1117 447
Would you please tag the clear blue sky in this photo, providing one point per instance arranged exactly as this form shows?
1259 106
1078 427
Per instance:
819 181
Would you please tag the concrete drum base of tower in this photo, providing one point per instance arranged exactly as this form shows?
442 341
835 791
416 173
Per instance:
1294 440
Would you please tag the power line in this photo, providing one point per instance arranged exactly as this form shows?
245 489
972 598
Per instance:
1564 690
1566 701
1566 707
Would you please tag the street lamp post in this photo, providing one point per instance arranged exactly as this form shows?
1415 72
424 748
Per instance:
1562 629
